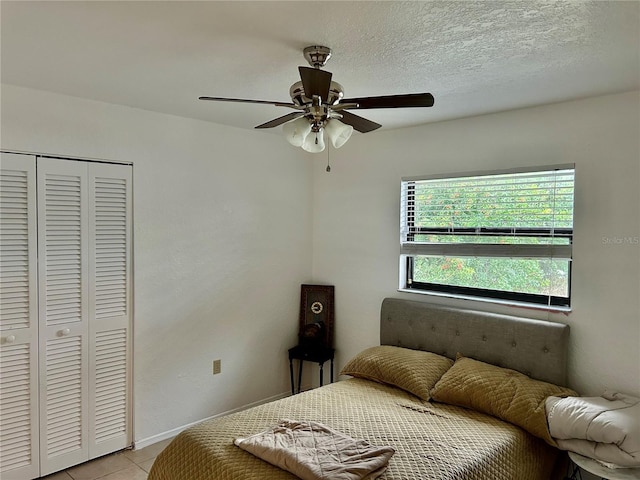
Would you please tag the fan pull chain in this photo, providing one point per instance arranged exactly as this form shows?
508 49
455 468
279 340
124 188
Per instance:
328 169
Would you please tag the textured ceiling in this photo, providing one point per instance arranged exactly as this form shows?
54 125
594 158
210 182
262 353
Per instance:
474 57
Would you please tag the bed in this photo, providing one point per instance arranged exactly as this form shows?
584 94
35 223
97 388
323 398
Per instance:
456 393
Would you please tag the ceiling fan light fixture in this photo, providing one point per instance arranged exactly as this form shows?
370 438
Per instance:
314 143
338 132
297 131
319 101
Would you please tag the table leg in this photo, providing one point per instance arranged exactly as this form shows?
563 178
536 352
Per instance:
575 472
332 370
300 374
321 374
291 373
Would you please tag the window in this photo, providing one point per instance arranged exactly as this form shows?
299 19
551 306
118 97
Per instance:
504 235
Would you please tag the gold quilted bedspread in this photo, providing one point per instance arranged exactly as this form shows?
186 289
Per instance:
432 440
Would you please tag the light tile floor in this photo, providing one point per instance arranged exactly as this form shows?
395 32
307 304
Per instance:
125 465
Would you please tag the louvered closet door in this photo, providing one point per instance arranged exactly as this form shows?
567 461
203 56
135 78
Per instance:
110 307
64 313
19 456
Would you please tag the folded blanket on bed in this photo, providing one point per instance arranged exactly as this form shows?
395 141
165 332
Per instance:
605 428
313 451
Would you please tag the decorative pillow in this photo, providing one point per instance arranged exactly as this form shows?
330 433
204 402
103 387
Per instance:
412 370
501 392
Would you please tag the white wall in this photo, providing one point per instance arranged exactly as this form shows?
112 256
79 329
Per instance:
222 244
356 219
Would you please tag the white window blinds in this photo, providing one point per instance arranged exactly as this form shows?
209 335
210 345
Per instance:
527 214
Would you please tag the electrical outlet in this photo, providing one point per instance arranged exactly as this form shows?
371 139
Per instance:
217 366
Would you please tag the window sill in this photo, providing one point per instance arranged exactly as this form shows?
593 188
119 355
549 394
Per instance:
509 303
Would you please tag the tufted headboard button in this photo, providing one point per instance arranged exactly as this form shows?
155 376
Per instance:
545 350
514 344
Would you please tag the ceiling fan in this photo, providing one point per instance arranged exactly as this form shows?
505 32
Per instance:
320 105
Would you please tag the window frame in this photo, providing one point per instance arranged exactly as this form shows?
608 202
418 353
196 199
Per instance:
408 232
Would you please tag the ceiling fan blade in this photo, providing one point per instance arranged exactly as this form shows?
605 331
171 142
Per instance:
315 82
242 100
358 123
280 120
393 101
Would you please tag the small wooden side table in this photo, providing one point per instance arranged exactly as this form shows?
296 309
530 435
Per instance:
312 353
600 470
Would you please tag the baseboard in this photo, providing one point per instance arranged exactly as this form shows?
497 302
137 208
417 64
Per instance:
145 442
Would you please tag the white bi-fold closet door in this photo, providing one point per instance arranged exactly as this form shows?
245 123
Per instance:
19 426
76 403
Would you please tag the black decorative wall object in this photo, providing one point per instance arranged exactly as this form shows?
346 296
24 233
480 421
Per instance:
316 315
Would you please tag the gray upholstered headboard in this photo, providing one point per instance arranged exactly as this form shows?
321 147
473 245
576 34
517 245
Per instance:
534 347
